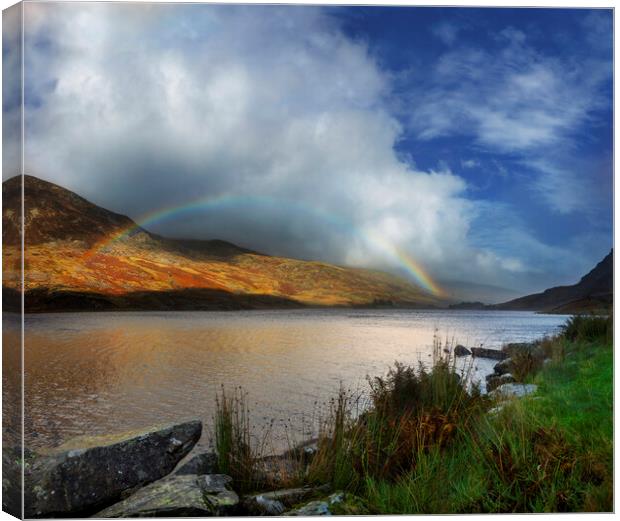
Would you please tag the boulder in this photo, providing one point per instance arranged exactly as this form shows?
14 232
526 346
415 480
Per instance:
202 463
483 352
178 496
460 350
276 502
503 367
90 473
524 348
513 390
494 381
340 504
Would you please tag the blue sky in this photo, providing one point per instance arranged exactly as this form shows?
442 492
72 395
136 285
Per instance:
478 141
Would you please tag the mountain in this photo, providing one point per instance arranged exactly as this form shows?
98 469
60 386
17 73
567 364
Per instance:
471 292
594 292
79 256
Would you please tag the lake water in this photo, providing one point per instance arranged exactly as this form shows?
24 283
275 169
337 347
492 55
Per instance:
96 373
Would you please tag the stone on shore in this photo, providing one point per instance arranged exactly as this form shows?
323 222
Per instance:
461 350
200 464
513 390
524 348
276 502
90 473
494 380
340 504
177 496
483 352
503 367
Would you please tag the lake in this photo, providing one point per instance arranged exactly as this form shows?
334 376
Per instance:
96 373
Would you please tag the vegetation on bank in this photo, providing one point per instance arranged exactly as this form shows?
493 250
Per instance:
430 442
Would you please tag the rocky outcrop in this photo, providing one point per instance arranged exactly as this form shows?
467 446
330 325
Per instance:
461 350
88 474
339 503
276 502
177 496
200 464
494 381
483 352
513 390
522 349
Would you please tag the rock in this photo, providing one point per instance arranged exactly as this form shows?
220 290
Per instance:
513 390
503 367
460 350
339 503
179 495
276 502
517 349
494 381
314 508
201 463
483 352
90 473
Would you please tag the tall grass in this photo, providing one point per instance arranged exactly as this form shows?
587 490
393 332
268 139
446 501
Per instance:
589 328
236 454
423 440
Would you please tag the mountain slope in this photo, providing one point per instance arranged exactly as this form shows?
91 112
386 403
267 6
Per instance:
593 292
81 256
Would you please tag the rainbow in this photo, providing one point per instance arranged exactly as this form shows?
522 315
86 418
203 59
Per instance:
406 261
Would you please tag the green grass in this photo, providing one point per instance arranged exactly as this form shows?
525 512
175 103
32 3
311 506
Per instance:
427 443
548 453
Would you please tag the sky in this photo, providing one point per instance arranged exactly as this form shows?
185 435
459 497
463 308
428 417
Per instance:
477 142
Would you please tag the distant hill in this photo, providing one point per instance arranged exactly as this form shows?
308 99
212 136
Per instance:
594 292
467 292
80 256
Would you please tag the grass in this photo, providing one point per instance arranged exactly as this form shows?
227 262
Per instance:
427 443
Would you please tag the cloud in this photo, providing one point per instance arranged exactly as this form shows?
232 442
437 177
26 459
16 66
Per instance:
137 112
446 32
514 100
469 163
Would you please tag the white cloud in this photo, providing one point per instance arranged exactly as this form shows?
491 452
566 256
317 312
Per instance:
446 32
256 102
515 100
469 163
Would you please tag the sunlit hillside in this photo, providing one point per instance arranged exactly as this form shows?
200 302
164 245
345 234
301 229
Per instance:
81 255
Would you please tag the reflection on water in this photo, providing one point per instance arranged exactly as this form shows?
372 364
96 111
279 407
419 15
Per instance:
95 373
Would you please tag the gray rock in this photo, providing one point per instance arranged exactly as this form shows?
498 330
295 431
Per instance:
314 508
460 350
513 390
90 473
520 349
494 381
503 367
176 496
276 502
201 463
339 503
483 352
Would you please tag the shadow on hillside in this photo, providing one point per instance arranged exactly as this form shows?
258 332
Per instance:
37 301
